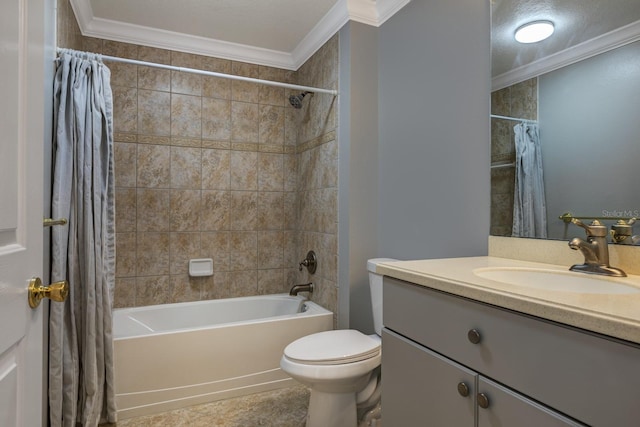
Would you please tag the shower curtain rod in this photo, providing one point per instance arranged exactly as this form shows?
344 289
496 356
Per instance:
214 74
515 119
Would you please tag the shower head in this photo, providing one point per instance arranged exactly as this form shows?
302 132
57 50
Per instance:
296 100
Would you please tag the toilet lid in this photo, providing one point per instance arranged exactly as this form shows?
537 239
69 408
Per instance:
332 348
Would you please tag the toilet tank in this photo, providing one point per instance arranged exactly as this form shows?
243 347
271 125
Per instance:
375 283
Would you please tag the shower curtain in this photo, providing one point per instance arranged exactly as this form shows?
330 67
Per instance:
81 389
529 205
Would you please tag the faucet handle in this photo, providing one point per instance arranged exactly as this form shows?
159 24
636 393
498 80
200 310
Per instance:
310 262
622 230
595 229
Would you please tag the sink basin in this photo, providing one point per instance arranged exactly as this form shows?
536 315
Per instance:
553 280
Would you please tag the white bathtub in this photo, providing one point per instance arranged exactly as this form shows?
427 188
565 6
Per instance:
175 355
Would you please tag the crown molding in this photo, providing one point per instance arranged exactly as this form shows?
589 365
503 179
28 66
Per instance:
370 12
388 8
608 41
330 24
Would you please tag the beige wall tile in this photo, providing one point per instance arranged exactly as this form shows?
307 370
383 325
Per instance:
270 211
271 282
152 290
243 213
152 208
119 49
215 245
124 292
152 252
182 248
270 172
125 109
186 83
291 210
216 169
292 119
270 249
244 170
186 115
216 286
186 170
245 91
216 119
271 125
123 74
244 122
154 79
238 199
271 95
290 249
243 250
184 210
215 210
216 87
243 283
153 54
185 288
154 113
126 254
153 166
125 155
126 212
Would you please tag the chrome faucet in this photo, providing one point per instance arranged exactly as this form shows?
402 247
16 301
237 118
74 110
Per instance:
308 287
594 249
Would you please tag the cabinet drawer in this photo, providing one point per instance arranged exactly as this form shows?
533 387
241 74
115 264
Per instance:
585 376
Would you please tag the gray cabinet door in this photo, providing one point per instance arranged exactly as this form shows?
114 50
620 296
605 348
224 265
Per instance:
420 387
508 408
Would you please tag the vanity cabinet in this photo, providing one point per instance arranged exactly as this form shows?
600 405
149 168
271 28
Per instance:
441 392
531 372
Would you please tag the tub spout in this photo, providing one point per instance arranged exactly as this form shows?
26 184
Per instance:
308 287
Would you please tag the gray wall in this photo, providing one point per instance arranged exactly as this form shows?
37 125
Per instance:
589 129
414 142
358 172
434 152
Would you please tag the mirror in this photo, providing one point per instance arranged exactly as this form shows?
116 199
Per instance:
581 87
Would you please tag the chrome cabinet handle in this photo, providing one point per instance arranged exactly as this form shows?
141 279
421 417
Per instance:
474 336
483 400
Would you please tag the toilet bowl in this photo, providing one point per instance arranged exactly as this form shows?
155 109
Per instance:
340 367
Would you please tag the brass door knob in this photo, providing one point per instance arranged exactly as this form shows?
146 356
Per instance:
57 291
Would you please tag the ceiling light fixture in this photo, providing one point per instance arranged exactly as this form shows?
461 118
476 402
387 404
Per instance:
533 32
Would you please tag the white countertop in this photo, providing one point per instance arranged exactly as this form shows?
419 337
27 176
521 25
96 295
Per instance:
616 315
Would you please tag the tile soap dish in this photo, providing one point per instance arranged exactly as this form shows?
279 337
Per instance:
201 267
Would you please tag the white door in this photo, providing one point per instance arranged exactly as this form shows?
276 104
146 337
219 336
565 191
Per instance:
22 113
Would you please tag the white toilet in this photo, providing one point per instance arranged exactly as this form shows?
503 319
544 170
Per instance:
340 367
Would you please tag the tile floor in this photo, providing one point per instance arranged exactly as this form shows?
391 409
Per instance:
280 408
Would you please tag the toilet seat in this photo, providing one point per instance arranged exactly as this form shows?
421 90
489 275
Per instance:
333 348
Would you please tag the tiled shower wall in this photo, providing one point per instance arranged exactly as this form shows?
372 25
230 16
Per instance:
214 168
521 101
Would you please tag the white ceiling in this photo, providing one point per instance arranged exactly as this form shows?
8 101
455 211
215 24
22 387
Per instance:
280 33
583 28
285 33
